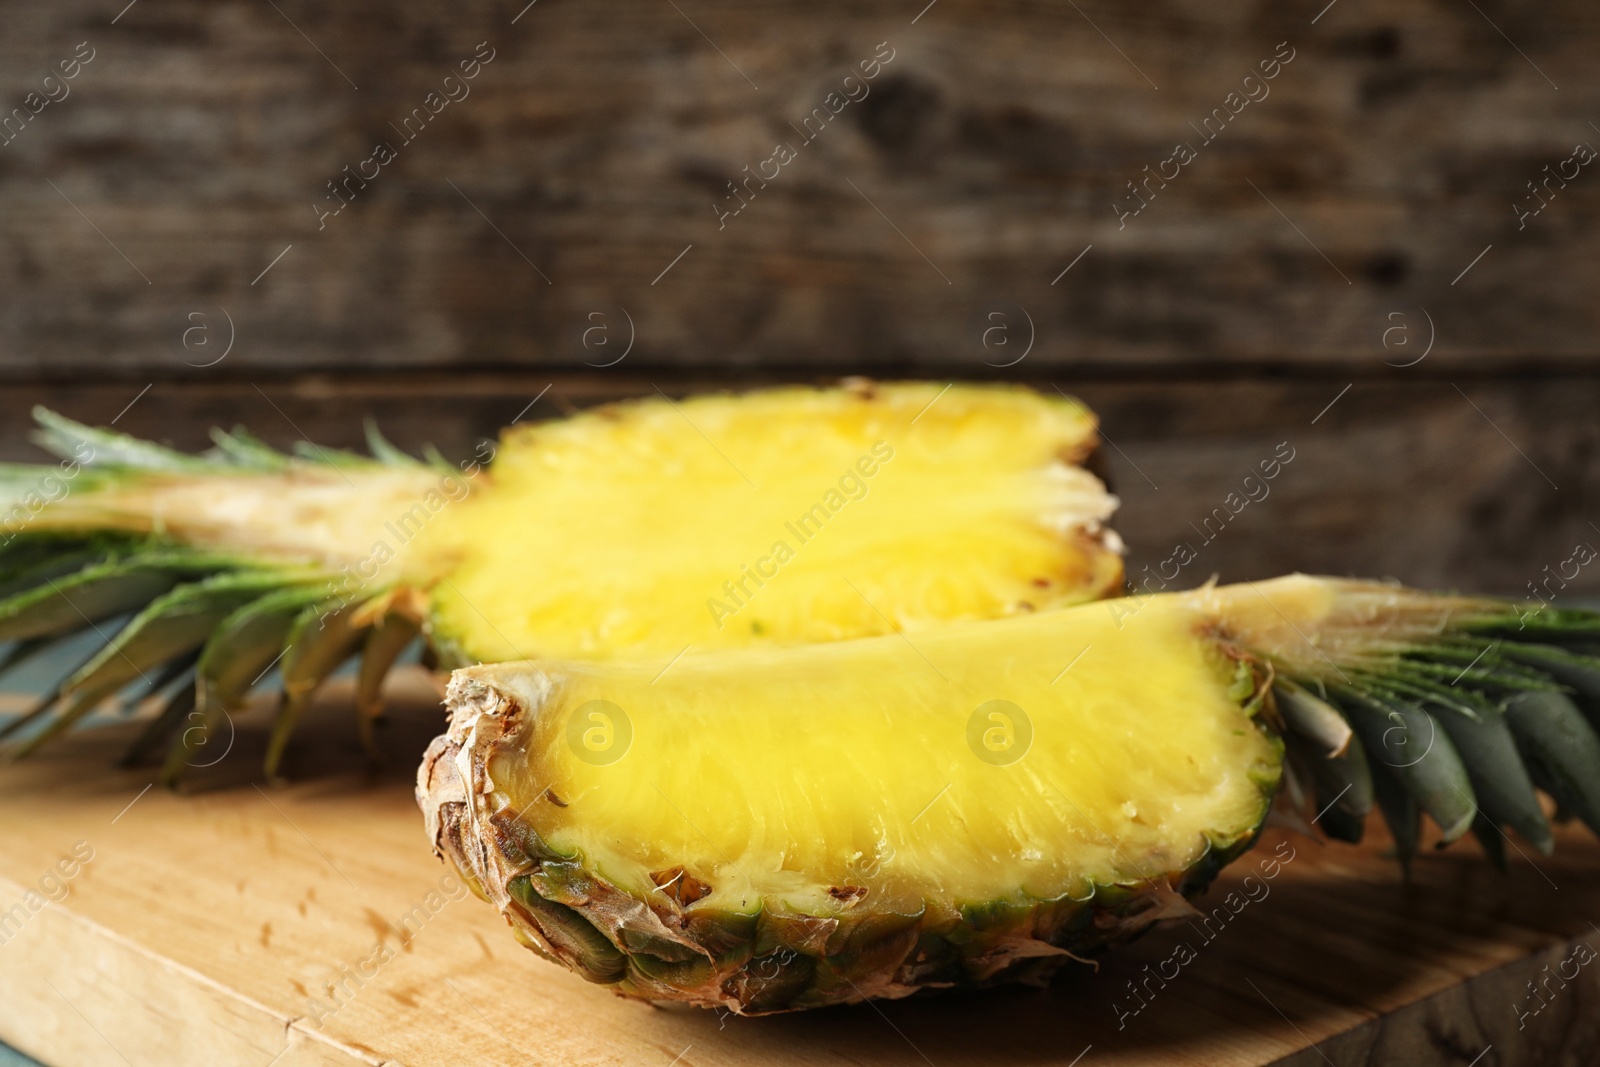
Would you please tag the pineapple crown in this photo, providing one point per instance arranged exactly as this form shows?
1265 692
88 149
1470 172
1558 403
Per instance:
196 628
1458 708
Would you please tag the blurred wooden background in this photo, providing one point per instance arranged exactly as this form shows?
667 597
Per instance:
164 212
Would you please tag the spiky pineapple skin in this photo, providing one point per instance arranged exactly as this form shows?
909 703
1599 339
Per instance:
765 961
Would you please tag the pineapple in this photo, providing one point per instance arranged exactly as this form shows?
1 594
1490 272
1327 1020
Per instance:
640 530
767 829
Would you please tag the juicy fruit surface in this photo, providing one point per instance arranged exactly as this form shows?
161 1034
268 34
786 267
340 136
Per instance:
638 529
781 517
876 776
780 829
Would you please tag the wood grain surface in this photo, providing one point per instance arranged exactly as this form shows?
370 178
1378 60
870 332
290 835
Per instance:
1350 269
208 927
598 145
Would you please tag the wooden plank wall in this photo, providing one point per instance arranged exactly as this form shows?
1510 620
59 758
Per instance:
967 214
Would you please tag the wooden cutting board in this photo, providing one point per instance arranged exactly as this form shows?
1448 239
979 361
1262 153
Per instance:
208 925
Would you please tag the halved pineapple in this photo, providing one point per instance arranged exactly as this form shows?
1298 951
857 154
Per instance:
786 516
768 829
638 529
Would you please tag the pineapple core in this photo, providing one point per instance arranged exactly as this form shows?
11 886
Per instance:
1031 757
783 517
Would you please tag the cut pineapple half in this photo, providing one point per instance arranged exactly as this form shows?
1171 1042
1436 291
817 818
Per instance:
637 529
782 517
769 829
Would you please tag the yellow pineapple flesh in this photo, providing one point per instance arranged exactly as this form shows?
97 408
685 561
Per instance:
769 829
782 517
639 529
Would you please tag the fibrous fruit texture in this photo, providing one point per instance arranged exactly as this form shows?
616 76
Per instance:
771 829
637 530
